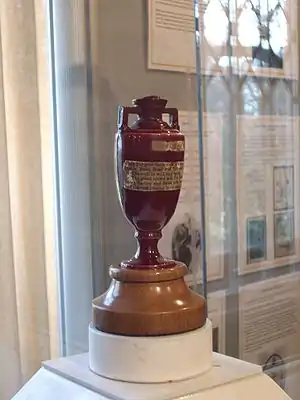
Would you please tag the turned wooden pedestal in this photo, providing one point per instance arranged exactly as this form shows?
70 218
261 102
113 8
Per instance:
148 302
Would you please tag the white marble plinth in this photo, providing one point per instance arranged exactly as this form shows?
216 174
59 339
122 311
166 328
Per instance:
151 359
228 379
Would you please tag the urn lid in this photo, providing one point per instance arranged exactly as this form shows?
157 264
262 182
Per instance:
150 110
150 104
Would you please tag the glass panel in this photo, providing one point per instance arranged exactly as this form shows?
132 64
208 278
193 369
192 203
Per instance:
253 82
102 61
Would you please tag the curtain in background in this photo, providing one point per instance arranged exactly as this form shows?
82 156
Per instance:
28 291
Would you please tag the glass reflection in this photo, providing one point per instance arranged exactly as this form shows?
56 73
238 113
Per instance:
254 30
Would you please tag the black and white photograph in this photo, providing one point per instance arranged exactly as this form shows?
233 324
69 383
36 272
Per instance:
283 177
186 242
256 239
284 234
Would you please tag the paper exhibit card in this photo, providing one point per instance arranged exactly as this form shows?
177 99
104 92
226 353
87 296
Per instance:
171 35
269 328
216 309
267 183
182 236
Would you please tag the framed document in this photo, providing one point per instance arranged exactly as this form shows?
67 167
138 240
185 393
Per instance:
267 168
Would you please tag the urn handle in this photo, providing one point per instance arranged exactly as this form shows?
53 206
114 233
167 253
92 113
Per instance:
123 114
173 117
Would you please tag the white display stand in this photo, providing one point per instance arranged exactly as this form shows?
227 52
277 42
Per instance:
150 359
228 379
157 359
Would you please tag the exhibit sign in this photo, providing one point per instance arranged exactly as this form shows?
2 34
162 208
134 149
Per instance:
171 35
269 328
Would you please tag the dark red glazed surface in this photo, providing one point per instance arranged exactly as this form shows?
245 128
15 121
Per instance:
148 211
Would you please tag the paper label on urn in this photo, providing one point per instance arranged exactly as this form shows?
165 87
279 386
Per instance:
148 176
161 145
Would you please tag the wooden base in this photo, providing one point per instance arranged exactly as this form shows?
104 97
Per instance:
148 302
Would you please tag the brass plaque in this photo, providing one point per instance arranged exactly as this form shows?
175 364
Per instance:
162 145
145 176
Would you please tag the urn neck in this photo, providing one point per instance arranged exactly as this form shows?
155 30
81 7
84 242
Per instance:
151 109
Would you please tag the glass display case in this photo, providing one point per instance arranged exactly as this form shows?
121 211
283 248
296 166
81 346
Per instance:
231 68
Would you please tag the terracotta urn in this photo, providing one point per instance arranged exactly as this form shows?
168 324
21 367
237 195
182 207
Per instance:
148 295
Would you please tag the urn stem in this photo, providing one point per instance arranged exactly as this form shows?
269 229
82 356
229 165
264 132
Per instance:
147 252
